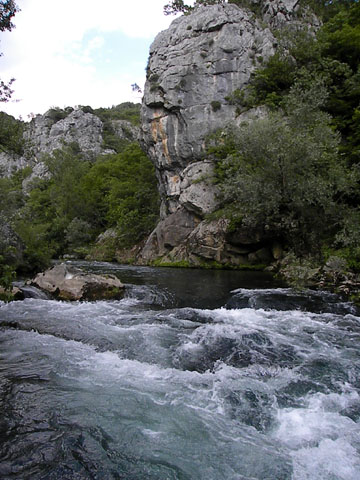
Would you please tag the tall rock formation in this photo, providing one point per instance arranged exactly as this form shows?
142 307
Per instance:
193 67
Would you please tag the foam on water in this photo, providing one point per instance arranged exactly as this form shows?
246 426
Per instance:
324 443
181 408
179 393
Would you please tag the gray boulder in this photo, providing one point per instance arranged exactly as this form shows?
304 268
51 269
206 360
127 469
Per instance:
10 163
169 233
66 282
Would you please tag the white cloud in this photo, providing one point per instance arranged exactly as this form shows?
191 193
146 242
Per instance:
52 50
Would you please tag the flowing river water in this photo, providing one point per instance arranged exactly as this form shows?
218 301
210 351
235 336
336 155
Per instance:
194 375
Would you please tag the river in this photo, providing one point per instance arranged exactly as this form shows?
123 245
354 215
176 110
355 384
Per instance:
194 375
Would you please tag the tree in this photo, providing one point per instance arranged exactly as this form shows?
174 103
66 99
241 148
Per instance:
122 190
8 8
178 6
11 134
284 173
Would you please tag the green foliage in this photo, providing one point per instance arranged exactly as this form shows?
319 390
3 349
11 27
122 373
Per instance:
7 276
124 188
78 233
341 38
7 272
331 58
10 198
50 207
349 254
11 134
38 249
65 213
215 105
208 265
284 172
178 6
56 113
104 251
66 168
11 194
271 82
111 140
125 111
255 7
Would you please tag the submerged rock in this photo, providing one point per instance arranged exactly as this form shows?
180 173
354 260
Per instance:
66 282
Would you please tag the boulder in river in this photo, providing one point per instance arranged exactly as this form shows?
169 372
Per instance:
66 282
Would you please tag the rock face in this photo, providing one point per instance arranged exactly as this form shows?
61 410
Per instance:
51 131
193 67
45 134
9 164
69 283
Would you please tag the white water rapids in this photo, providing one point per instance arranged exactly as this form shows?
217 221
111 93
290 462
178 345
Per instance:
263 384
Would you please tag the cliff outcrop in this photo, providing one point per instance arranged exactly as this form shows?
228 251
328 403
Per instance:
57 128
193 68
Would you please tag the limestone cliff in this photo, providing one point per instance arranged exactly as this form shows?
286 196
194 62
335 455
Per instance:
57 128
193 67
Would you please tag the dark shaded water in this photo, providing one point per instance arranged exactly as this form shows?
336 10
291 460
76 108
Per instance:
201 375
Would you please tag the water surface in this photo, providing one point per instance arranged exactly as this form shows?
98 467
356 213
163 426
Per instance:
201 375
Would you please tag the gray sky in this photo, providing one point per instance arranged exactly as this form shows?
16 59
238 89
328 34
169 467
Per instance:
78 52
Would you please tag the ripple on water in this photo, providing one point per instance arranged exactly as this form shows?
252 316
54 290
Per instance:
128 390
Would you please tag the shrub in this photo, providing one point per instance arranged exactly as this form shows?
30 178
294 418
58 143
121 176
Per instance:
284 173
215 105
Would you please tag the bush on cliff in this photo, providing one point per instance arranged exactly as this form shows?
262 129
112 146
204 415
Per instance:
284 172
11 134
332 57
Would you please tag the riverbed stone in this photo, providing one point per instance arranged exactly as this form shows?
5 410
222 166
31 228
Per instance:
66 282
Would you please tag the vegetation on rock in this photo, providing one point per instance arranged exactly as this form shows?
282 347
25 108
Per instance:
297 170
80 200
284 172
11 134
65 211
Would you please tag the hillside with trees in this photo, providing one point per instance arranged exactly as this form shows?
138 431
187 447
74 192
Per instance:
293 173
64 211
